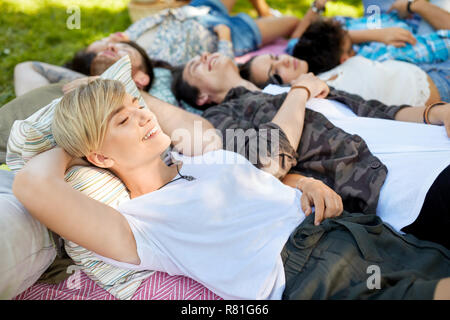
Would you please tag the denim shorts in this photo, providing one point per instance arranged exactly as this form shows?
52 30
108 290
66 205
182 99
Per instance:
245 33
440 74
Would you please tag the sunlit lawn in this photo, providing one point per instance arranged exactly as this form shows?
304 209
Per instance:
37 29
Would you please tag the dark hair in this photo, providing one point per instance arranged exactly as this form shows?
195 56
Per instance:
182 90
245 73
244 69
321 45
148 64
81 62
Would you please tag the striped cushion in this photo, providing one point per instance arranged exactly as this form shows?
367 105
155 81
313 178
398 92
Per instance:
104 186
33 135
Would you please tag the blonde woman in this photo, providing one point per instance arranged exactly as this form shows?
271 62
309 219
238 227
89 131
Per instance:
228 225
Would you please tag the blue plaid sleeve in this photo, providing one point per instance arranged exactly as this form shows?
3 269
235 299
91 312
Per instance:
430 48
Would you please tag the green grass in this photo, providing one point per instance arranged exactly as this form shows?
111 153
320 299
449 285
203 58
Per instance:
352 8
37 30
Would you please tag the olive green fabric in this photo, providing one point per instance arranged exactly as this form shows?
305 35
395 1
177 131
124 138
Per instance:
22 107
57 271
357 256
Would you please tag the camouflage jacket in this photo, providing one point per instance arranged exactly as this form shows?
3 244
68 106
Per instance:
341 160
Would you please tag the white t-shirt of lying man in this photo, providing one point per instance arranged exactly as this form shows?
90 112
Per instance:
225 229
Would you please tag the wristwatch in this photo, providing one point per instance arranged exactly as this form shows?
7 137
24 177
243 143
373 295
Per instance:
316 9
408 6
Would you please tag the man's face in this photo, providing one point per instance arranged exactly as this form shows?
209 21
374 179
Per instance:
133 136
112 52
209 71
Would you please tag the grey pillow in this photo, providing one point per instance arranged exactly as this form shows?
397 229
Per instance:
26 249
6 181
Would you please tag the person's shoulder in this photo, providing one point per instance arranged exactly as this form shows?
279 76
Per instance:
234 98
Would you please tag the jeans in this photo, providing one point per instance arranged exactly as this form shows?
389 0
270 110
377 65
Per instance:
440 74
245 33
433 222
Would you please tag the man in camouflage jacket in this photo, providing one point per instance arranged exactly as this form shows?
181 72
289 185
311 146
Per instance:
341 160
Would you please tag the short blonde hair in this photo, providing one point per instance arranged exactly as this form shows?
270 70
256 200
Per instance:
81 118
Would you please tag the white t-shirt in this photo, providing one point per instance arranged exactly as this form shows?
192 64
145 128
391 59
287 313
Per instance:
391 82
414 153
225 229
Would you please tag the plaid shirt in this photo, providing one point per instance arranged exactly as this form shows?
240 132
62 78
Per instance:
339 159
179 36
430 48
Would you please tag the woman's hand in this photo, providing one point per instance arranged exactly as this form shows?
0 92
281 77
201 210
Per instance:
326 202
317 87
223 32
76 83
397 37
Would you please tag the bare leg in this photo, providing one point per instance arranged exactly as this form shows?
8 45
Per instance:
442 291
272 28
261 7
229 4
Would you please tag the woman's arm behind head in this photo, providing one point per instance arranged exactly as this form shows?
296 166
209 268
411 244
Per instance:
41 188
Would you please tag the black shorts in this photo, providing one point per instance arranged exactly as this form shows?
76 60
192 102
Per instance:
433 222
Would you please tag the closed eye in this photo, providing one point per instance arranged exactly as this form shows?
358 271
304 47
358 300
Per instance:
123 121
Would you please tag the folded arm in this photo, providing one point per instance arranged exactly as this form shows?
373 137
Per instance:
41 188
394 36
438 115
30 75
438 18
191 134
269 144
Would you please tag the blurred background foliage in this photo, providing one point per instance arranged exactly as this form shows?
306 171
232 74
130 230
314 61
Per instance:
37 30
